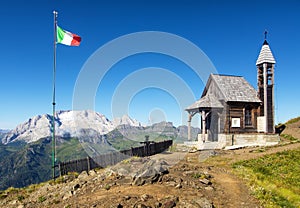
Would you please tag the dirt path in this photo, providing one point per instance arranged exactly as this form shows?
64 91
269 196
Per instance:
231 191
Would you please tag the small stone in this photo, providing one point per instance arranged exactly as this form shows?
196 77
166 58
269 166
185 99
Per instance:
127 197
119 206
139 206
83 175
92 173
158 204
186 204
209 188
171 183
186 173
169 204
204 202
76 186
178 180
145 197
205 181
68 195
13 202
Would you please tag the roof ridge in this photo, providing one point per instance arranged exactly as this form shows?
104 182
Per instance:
228 75
217 84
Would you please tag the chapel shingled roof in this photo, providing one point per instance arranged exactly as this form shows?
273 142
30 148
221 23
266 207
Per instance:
207 101
235 88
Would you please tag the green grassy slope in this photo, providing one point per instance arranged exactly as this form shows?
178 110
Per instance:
274 179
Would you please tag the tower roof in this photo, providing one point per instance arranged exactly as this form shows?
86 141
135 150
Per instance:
265 55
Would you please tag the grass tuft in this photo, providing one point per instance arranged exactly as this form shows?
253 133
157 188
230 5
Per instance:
41 199
289 137
294 120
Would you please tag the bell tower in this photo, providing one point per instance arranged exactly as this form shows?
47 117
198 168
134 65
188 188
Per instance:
265 80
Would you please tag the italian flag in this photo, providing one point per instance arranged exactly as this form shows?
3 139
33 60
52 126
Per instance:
67 38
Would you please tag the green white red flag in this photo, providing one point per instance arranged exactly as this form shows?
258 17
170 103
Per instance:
67 38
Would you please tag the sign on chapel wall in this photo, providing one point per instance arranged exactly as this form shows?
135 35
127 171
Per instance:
261 123
235 122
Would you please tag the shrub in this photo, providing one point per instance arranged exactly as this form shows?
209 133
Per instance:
20 197
41 199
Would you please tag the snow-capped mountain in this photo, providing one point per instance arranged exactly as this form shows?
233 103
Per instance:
67 124
126 120
4 131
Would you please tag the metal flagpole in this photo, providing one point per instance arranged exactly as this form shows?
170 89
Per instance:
53 102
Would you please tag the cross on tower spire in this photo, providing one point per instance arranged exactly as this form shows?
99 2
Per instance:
266 32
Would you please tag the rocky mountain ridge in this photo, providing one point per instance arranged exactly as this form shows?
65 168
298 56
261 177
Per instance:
88 126
67 124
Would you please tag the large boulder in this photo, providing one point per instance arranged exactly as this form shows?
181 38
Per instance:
150 172
141 170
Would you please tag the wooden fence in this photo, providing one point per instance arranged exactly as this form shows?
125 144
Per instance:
112 158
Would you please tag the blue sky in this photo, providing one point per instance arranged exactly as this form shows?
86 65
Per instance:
229 32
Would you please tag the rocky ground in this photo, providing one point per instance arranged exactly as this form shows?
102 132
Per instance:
171 179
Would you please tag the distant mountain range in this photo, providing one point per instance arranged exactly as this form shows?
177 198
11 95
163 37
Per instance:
4 131
25 152
67 124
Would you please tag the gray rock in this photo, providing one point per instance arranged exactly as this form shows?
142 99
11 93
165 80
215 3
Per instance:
92 173
127 197
67 195
171 183
169 204
186 173
139 206
205 181
209 188
145 197
187 204
150 172
83 175
204 202
195 203
157 205
76 186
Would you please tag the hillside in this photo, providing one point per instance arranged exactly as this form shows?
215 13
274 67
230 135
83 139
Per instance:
206 177
199 179
292 129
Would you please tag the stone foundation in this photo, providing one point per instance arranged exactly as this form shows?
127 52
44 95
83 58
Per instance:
233 141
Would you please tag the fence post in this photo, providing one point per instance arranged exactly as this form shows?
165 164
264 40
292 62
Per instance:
59 170
88 165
